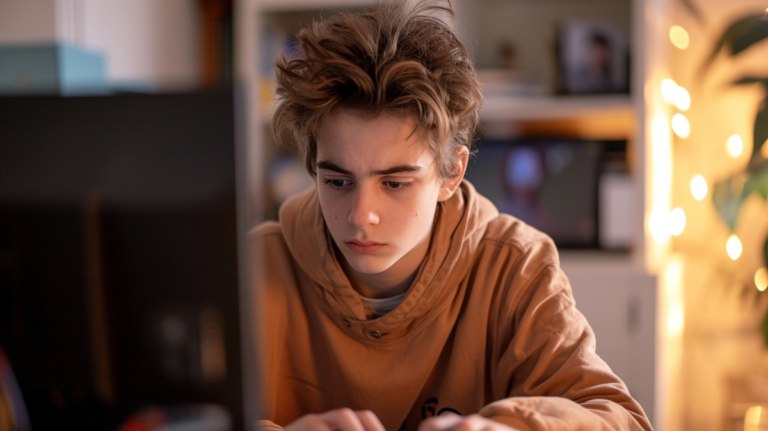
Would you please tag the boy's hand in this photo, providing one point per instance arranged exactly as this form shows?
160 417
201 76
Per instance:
337 420
453 422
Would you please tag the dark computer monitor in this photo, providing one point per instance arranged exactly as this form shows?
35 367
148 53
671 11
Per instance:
550 184
118 256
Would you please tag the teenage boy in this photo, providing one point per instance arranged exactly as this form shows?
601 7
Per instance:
392 295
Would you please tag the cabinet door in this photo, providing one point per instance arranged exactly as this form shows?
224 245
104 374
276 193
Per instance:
619 303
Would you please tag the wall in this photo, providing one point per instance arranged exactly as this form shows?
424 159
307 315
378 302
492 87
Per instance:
30 21
145 41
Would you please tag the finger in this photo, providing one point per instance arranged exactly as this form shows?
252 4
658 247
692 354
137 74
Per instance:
440 423
308 423
476 422
316 423
473 422
342 420
370 421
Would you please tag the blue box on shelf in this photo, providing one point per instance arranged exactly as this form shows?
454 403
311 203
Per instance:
51 69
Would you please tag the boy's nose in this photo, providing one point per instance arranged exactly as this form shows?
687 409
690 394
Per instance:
363 212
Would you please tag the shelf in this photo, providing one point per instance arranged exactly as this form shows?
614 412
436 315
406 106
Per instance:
506 108
519 108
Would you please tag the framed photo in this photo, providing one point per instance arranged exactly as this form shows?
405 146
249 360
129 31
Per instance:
593 58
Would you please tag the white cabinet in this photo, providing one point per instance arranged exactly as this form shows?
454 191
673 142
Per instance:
619 303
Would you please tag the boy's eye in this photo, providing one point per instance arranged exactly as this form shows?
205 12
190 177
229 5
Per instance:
396 184
338 183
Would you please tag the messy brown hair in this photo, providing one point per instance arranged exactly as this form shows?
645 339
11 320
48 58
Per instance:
398 58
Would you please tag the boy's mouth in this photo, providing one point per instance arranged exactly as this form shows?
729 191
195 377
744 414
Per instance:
364 247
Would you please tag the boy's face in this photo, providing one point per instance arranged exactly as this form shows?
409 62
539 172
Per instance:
378 187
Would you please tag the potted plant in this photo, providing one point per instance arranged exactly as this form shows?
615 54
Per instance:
729 194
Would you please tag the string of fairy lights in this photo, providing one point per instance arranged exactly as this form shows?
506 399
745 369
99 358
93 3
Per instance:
679 97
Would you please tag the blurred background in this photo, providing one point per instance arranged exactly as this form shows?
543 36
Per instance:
135 154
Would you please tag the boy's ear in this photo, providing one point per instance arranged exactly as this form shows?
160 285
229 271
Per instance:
449 186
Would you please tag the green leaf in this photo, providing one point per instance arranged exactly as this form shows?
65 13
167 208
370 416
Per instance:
760 134
728 195
765 328
757 183
747 80
734 32
727 201
756 33
760 131
765 253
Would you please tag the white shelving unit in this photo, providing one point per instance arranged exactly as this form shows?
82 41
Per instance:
249 28
595 277
518 108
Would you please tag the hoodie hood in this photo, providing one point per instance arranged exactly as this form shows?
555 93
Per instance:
461 223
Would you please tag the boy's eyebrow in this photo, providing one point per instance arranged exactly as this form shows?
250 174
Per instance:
330 166
399 169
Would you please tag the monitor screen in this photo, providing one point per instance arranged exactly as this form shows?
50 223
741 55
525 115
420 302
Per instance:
550 184
118 256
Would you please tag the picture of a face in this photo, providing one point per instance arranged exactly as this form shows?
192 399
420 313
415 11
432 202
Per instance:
593 57
378 187
600 57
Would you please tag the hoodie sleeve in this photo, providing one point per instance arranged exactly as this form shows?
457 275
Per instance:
547 366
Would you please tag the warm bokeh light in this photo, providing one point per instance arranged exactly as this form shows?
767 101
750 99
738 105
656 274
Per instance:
658 224
699 187
668 90
659 193
681 98
676 221
764 150
735 145
761 279
680 125
752 418
679 37
733 247
676 322
673 287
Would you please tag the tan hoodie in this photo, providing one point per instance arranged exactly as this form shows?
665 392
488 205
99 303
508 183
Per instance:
489 326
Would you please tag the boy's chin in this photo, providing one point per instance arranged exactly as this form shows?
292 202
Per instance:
369 264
